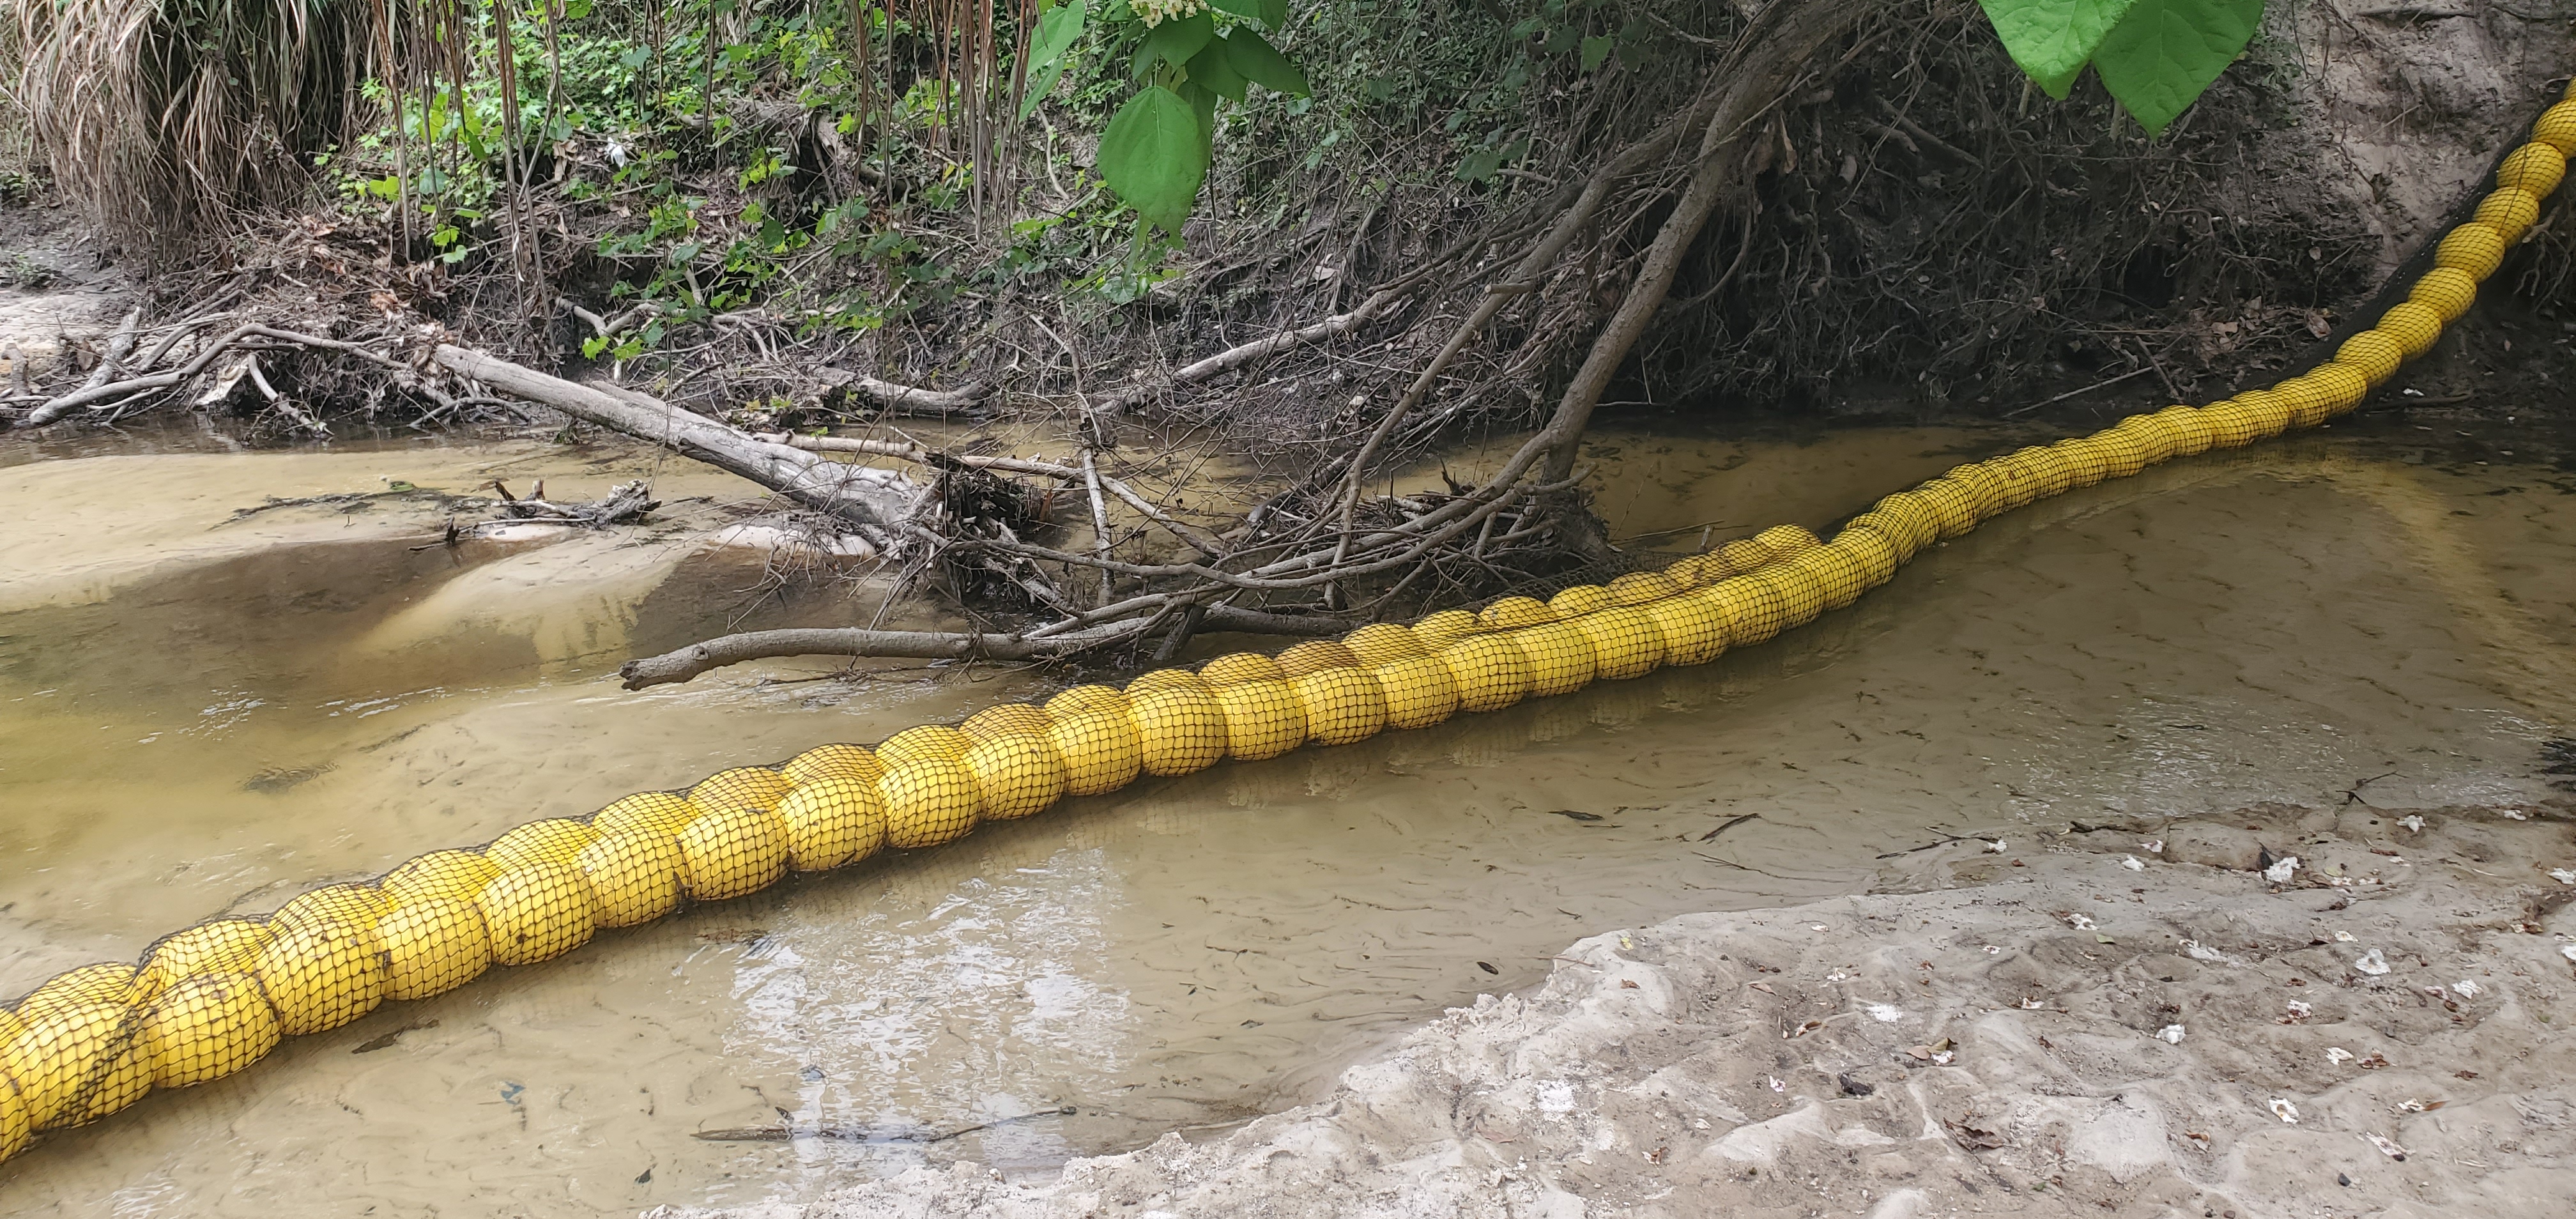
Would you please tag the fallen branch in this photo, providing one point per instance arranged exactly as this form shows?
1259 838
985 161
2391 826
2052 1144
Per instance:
907 399
697 658
873 500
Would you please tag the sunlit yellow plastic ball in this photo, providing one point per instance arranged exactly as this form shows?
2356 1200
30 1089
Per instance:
323 975
1695 571
1382 643
2473 249
1560 656
1919 523
735 851
1745 554
1640 587
76 1064
1625 642
832 822
2019 483
1490 671
1022 775
2415 327
1101 749
1315 656
2534 167
206 1028
2557 128
1751 607
1087 700
923 742
540 912
2307 400
437 945
221 945
1954 505
1694 632
2123 452
2372 353
1871 549
106 982
653 812
1010 719
1241 667
2447 291
2231 425
2509 210
1839 577
554 839
2342 386
1786 541
2192 433
1419 691
928 802
460 873
1181 730
1579 600
15 1126
1263 718
1801 596
360 905
2048 467
640 875
1440 630
1897 534
1343 705
741 787
1145 683
2085 464
1513 613
2267 410
2154 436
853 762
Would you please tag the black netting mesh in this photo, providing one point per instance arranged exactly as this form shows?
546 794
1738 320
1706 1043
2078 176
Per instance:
210 1000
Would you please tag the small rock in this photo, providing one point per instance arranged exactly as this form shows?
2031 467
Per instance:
2282 869
2371 962
2171 1034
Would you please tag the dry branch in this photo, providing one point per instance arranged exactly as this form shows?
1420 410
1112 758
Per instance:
874 500
697 658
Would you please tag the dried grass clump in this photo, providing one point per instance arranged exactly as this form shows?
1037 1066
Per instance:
168 120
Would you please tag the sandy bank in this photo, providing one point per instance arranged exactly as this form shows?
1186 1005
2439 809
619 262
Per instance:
2119 1020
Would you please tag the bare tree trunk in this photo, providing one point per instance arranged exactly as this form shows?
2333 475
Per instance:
877 500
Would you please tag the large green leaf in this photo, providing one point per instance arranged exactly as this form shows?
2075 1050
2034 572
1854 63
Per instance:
1272 13
1057 29
1214 68
1155 156
2051 39
1174 42
1039 86
2161 56
1262 64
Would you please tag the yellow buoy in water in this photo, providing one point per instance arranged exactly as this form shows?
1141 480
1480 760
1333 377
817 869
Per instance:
1017 775
553 840
323 975
735 851
741 787
852 761
637 876
79 1063
454 873
1490 671
928 801
436 945
539 912
1181 729
216 946
1343 705
831 822
208 1027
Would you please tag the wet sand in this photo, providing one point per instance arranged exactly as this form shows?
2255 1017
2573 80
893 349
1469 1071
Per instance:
2058 1028
2281 624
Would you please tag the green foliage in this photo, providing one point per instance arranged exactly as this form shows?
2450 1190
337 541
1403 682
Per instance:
1157 147
2155 56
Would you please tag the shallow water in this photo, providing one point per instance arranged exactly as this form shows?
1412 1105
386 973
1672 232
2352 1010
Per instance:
208 725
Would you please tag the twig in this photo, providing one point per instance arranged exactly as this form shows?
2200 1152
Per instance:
2135 372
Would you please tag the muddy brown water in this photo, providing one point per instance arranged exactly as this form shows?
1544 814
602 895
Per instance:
201 714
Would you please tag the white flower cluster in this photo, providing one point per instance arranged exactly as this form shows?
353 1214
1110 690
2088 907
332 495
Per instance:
1156 12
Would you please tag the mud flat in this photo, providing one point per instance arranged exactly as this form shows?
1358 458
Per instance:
2125 1019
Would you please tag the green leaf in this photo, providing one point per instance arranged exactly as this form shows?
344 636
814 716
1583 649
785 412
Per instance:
1057 29
2165 53
1597 49
1480 165
1214 68
2051 39
1253 10
1154 155
1040 87
1263 65
1202 102
1174 42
